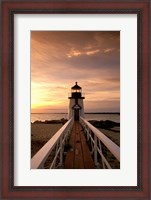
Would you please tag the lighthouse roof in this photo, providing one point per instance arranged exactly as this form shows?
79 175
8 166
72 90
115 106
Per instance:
76 87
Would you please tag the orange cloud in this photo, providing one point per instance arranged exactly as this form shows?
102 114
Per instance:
53 73
75 53
108 50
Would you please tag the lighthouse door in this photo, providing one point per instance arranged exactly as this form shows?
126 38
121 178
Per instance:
76 114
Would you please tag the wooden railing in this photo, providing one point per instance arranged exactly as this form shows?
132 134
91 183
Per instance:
97 138
55 145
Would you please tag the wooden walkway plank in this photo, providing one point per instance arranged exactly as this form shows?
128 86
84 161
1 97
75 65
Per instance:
88 161
69 161
79 156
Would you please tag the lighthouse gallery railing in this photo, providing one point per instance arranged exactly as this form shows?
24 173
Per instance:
96 140
56 143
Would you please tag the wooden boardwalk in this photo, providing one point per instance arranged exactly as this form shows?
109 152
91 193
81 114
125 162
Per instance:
78 156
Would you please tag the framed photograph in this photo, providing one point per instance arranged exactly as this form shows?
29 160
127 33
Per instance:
75 99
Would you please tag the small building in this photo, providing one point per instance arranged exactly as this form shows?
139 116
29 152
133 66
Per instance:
76 107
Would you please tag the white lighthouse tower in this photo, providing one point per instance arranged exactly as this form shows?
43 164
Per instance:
76 108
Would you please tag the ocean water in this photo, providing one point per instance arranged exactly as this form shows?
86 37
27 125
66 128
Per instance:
56 116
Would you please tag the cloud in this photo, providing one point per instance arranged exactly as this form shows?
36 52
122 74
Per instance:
92 52
59 58
108 50
77 53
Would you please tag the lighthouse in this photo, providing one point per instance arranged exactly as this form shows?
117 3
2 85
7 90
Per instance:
76 108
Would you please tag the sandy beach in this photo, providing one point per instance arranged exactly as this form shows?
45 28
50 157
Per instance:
113 135
40 134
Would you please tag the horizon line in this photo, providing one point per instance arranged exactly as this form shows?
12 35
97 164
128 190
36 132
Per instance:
84 113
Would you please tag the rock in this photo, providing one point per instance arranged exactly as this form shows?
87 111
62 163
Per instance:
37 122
52 121
95 123
63 120
107 124
59 121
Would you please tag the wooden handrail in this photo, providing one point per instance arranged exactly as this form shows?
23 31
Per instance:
114 149
41 156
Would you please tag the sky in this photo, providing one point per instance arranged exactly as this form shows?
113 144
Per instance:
60 58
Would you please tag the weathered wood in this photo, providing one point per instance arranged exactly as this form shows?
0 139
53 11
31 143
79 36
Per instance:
69 161
88 161
80 156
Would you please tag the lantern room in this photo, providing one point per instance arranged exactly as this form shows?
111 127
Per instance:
76 92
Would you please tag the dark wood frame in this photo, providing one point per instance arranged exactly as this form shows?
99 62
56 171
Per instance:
10 7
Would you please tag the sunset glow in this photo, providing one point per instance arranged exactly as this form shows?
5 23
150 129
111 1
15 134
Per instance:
60 58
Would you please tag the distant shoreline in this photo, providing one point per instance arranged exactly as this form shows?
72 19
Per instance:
97 123
84 113
58 116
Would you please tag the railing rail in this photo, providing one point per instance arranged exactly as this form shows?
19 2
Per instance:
96 143
57 142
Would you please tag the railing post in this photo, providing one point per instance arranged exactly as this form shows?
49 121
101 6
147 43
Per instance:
41 156
88 133
61 150
111 146
95 151
100 148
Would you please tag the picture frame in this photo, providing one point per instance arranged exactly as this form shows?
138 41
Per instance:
143 10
